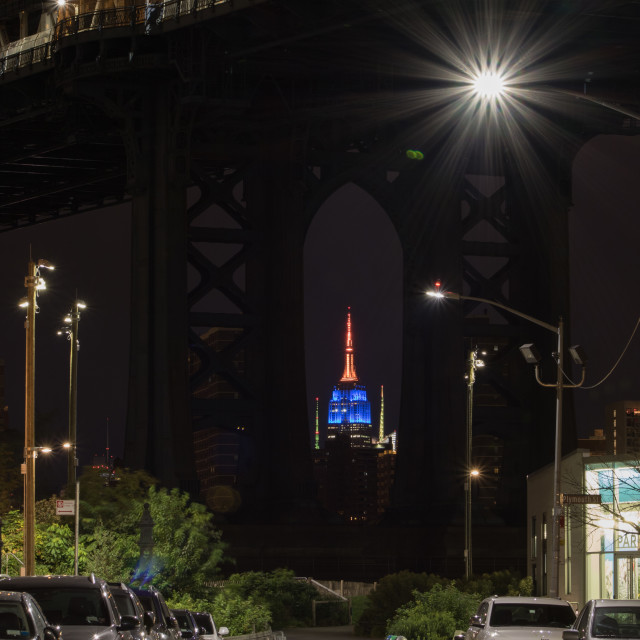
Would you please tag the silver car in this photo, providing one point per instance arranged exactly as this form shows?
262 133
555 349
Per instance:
82 606
606 619
520 618
21 618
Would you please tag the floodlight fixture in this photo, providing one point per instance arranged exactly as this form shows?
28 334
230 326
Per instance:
578 354
530 353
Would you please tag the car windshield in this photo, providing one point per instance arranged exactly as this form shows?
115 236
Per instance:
616 622
532 615
13 621
71 606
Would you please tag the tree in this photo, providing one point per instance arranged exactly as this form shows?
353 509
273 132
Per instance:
10 478
188 549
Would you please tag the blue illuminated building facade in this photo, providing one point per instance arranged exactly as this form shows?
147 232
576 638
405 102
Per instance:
349 409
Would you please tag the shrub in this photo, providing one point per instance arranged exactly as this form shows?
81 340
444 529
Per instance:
392 592
435 614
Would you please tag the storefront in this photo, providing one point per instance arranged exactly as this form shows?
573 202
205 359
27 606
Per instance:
599 543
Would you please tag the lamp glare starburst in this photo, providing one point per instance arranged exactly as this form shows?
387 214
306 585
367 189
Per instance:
489 85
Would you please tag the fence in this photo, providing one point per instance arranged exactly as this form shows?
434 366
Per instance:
40 47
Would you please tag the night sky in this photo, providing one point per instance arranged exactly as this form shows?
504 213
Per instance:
351 259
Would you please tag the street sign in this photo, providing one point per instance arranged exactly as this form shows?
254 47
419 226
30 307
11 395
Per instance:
65 507
580 498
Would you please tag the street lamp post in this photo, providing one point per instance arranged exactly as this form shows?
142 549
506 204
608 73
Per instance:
474 362
531 357
71 331
33 282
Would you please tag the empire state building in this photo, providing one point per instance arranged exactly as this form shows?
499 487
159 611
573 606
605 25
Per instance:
349 409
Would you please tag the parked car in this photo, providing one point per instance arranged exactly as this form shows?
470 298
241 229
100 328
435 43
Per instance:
514 618
188 626
208 630
82 606
129 604
165 626
606 619
21 617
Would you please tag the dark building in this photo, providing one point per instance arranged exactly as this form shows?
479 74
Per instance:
217 448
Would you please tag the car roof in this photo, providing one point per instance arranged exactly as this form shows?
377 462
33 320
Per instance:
13 596
602 602
526 600
90 582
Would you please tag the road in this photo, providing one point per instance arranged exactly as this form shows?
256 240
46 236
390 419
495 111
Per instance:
319 633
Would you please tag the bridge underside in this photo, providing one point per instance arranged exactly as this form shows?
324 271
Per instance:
225 138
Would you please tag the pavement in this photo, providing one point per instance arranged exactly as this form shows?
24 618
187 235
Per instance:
319 633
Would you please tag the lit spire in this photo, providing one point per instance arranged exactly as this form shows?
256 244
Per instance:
317 427
349 374
381 432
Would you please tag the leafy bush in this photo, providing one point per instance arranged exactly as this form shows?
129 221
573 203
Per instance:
240 615
288 599
435 614
500 583
391 593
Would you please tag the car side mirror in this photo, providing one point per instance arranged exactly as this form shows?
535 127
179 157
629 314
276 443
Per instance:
223 631
149 619
570 634
459 636
128 623
202 631
476 621
51 633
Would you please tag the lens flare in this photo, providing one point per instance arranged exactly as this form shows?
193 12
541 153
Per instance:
489 85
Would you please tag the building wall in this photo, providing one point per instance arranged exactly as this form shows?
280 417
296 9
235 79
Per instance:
622 428
540 499
600 542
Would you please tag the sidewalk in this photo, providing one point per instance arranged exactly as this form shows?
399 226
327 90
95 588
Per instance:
318 633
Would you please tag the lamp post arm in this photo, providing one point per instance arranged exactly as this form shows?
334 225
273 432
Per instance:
493 303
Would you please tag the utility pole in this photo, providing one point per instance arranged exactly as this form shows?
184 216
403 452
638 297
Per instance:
32 282
71 330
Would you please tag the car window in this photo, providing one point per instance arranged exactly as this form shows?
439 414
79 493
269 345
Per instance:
183 621
124 604
532 615
583 620
204 620
616 622
37 614
482 612
148 604
72 606
13 620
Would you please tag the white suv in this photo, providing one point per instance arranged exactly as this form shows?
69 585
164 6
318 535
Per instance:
517 618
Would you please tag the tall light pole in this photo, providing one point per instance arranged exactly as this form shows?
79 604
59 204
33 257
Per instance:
473 362
33 282
532 357
71 331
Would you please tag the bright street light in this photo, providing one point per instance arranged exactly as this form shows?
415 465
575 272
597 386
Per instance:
489 85
559 385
